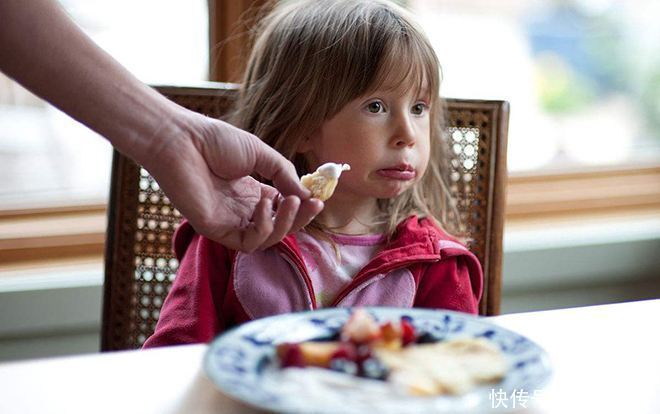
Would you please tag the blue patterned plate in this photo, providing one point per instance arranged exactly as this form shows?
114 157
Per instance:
243 364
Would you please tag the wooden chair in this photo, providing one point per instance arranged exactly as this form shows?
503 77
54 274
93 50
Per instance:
140 266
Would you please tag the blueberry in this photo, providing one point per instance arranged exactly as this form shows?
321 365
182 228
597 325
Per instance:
344 365
374 369
426 338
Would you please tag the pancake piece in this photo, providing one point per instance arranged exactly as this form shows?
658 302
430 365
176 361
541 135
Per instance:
448 367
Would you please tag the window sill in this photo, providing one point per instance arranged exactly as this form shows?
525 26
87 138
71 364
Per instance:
31 237
623 191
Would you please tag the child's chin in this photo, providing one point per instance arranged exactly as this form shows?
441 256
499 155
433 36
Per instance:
394 192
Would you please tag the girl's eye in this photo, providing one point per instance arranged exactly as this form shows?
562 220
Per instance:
375 107
418 108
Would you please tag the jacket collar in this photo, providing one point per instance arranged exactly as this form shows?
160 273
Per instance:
414 239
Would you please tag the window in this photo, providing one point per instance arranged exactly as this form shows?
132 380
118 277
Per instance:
582 76
50 160
54 174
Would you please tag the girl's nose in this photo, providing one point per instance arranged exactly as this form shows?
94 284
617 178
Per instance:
404 133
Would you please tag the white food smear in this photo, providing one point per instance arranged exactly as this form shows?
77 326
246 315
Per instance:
332 170
323 181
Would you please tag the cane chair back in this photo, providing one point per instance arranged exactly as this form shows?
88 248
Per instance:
140 265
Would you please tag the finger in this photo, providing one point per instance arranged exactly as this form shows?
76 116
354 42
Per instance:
261 227
273 166
283 220
270 192
306 213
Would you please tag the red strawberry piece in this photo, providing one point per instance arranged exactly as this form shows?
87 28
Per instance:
345 351
292 356
408 334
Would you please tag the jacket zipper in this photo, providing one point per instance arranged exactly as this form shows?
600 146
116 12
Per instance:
363 276
301 270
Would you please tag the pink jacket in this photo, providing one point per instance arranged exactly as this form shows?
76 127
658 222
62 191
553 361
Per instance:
217 288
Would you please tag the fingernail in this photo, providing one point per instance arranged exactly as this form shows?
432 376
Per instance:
306 193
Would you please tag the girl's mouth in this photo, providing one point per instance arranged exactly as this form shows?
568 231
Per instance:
401 173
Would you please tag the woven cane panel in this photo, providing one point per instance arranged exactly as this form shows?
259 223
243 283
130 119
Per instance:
468 143
466 184
154 263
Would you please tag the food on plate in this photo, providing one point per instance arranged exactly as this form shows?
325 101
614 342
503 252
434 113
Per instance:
395 352
323 181
448 367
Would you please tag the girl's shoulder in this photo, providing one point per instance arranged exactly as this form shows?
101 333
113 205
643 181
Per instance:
425 226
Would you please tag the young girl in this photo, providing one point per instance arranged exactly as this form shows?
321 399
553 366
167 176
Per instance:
342 81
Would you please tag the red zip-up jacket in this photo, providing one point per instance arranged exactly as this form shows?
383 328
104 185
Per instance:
217 288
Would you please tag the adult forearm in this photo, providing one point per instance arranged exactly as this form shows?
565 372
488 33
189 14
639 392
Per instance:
201 163
45 51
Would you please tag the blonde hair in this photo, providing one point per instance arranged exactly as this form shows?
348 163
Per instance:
310 58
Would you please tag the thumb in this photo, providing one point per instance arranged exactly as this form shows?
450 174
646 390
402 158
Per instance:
272 165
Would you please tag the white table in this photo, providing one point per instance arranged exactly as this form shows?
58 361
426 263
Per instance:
606 359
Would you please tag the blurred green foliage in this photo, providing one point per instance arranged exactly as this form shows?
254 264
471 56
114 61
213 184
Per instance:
560 89
601 58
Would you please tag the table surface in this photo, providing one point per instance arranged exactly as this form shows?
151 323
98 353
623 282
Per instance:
605 359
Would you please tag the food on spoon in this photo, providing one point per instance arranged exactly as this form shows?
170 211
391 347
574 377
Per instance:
323 181
393 351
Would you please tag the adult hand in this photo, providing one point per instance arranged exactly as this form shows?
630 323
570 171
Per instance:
205 173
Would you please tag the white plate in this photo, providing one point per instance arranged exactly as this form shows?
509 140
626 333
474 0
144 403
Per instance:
242 363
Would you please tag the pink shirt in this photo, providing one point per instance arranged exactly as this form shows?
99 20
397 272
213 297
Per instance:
330 274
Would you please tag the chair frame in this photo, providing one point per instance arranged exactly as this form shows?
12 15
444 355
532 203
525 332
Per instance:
495 114
121 293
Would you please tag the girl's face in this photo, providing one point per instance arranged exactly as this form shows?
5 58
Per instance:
385 138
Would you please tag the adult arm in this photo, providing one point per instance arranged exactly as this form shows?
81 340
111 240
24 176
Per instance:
201 163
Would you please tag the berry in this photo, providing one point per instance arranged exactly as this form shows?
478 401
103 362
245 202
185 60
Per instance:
291 355
345 350
426 338
374 369
408 334
344 365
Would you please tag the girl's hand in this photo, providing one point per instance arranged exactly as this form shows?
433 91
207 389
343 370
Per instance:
205 174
